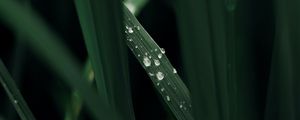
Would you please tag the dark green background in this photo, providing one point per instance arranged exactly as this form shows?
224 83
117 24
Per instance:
239 64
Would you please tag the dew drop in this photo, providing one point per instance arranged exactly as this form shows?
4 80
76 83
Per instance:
139 55
150 56
146 53
180 106
155 49
162 89
130 30
136 46
138 27
157 84
156 62
162 50
160 75
147 61
130 40
159 55
151 74
174 71
15 101
168 98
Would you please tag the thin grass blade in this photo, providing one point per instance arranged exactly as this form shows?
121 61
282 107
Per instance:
49 47
101 23
14 94
154 60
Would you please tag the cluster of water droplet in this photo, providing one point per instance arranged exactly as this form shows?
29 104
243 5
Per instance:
152 60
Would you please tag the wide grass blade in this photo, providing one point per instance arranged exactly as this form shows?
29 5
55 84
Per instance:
101 23
197 42
49 47
14 94
85 13
164 77
283 90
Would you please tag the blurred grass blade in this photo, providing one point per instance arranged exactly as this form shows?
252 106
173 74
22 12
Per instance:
74 106
49 47
135 6
164 77
85 13
14 94
197 41
283 89
102 26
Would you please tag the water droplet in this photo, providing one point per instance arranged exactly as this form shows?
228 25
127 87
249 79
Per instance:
136 46
151 74
15 101
138 27
174 71
139 55
162 50
157 84
156 62
162 89
130 30
180 106
130 39
150 56
168 98
160 75
155 49
146 53
159 55
147 61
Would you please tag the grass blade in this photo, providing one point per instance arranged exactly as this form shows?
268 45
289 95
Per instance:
196 37
46 44
101 23
85 13
164 77
14 94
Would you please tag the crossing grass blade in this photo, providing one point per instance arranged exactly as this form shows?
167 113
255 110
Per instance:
14 94
196 42
47 45
101 23
154 60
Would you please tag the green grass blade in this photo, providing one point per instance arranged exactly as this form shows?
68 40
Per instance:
49 47
283 87
85 13
101 23
135 6
164 77
14 94
197 42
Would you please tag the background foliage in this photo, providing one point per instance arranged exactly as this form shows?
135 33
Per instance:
239 59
